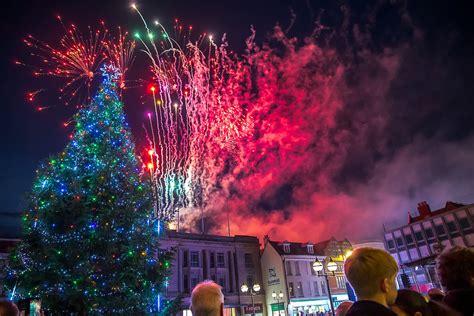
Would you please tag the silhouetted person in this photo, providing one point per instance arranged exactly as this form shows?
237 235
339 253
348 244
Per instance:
8 308
410 303
455 268
372 273
207 299
436 295
343 308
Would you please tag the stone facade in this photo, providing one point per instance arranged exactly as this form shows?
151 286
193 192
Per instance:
229 261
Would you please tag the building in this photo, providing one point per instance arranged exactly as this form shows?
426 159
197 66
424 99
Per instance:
229 261
287 269
6 246
416 245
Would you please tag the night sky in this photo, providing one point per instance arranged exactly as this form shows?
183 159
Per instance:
399 131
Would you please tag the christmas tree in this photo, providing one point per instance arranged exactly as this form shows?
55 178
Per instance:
90 244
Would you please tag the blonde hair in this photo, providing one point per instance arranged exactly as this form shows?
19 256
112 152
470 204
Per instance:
366 267
207 299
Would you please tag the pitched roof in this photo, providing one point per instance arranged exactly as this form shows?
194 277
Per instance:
301 249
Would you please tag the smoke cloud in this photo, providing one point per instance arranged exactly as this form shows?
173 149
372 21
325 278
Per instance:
349 132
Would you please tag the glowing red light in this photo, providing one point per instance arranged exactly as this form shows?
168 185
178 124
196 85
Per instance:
152 88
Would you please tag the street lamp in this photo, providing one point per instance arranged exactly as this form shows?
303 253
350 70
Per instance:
252 292
331 267
278 298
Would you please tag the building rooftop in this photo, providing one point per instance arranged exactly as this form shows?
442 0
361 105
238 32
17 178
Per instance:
193 236
301 249
424 211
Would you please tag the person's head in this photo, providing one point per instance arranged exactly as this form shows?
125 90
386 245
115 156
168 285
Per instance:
343 308
410 303
8 308
455 268
372 273
207 299
436 295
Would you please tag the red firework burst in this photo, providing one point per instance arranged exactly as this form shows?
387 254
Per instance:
78 57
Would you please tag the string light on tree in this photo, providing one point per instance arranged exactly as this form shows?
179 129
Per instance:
89 235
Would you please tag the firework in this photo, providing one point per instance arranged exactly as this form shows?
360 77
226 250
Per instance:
196 120
120 52
77 59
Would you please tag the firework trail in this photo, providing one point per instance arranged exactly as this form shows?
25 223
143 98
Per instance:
196 122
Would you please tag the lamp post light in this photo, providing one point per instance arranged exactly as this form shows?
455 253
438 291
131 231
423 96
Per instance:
278 298
331 267
252 292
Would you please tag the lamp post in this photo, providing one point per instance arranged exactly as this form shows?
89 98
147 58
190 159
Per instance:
278 298
331 267
252 292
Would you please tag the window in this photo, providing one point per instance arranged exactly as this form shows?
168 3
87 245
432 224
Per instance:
464 223
429 233
286 247
300 289
323 288
186 283
310 249
453 230
185 258
419 236
194 280
440 230
288 268
220 260
316 288
212 260
409 239
391 244
399 242
221 282
213 278
311 268
297 268
341 282
291 289
194 259
248 260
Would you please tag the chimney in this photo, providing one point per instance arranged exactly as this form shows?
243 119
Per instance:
266 239
424 209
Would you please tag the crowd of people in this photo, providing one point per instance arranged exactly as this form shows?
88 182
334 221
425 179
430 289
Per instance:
372 274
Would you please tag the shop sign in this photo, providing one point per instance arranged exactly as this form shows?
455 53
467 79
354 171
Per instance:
278 307
250 309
